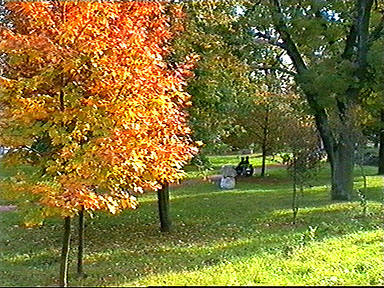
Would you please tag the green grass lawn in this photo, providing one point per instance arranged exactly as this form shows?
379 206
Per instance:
238 237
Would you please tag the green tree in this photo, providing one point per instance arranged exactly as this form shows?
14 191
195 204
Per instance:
262 124
373 124
327 47
221 84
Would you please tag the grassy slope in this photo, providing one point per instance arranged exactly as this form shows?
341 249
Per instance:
238 237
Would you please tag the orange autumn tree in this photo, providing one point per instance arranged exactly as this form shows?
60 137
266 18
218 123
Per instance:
90 105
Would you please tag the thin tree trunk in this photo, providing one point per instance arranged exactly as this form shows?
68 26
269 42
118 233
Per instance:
163 202
294 195
302 189
63 281
295 209
264 142
381 149
81 243
263 160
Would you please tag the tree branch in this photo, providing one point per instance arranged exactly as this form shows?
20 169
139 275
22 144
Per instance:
350 43
363 19
290 45
321 117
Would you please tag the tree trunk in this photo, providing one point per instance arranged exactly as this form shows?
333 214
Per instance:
381 149
264 142
342 172
263 160
356 46
340 156
63 281
163 202
295 208
81 244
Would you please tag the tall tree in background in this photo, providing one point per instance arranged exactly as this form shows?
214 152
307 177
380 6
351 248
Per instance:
326 46
374 104
373 124
91 108
262 124
221 84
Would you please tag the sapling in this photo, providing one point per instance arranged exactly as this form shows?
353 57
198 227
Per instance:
302 165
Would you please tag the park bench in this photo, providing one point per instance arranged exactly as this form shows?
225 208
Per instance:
244 168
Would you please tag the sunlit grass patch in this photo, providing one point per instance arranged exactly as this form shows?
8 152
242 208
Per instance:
338 261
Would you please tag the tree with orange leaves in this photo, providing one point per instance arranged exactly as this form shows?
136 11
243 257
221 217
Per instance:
91 105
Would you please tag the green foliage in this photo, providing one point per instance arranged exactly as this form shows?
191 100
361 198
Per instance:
221 86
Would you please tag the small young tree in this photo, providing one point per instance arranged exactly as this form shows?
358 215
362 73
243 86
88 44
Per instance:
263 124
304 157
91 107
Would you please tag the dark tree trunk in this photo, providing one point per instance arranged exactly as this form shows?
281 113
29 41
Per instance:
81 244
342 172
381 149
264 156
340 156
264 143
63 281
295 208
163 202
